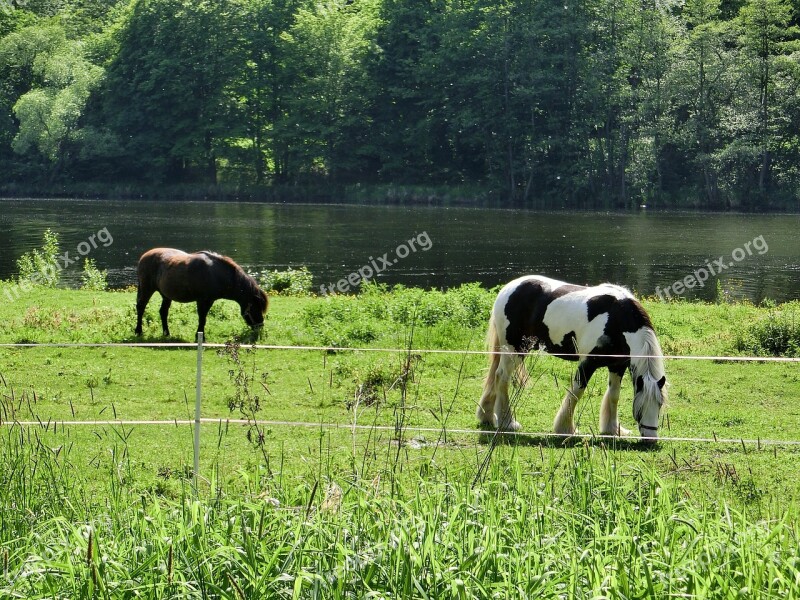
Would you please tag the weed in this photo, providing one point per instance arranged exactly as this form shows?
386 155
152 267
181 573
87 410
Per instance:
246 398
777 334
292 282
92 278
40 265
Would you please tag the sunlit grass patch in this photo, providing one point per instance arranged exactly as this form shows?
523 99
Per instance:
359 502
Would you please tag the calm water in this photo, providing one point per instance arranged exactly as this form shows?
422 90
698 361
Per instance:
645 251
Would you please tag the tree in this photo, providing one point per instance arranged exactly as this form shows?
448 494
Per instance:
59 80
408 135
167 96
764 25
702 84
330 42
265 86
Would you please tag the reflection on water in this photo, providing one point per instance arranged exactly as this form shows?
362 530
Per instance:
644 251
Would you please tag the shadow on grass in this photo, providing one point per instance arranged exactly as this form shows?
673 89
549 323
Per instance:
244 337
487 435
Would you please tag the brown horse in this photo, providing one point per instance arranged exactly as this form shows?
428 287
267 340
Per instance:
203 277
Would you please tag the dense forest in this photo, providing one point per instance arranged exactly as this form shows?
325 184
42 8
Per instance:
539 103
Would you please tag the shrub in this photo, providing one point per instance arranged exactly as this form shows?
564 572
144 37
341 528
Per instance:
777 334
93 278
292 282
40 265
476 303
344 319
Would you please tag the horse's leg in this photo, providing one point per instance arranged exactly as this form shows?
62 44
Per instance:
503 415
563 422
143 295
164 312
203 306
609 423
485 412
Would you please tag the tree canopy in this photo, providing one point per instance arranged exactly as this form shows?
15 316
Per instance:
537 103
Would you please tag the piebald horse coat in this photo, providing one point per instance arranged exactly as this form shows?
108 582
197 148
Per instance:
584 324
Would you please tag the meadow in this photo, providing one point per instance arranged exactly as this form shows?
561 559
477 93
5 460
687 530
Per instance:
363 474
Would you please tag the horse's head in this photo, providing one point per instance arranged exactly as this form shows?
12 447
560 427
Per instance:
650 394
255 308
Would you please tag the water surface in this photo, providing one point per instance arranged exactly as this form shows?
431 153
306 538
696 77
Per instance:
645 251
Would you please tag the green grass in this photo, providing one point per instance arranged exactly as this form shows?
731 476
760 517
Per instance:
320 512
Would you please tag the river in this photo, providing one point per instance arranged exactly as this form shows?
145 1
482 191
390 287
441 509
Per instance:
675 254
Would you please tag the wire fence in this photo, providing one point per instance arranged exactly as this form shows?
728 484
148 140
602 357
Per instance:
765 359
198 420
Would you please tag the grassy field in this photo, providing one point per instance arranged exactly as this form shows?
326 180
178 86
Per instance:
384 509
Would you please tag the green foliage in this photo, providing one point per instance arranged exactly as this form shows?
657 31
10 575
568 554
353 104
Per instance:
344 320
179 126
60 81
777 334
604 103
291 282
584 522
92 278
330 40
40 265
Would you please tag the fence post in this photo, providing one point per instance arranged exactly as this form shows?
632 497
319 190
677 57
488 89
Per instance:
198 396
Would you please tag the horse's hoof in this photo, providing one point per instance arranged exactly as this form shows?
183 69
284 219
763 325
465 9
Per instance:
485 418
618 431
566 432
511 426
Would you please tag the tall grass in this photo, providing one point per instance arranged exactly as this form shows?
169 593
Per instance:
376 517
571 525
776 334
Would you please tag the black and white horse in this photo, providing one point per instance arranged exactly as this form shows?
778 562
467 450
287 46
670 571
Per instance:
601 326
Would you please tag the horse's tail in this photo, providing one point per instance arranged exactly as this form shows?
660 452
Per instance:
147 272
266 301
492 347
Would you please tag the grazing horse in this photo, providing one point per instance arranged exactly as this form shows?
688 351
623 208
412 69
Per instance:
601 326
202 277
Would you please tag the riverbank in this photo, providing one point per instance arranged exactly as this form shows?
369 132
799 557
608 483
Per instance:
471 195
474 196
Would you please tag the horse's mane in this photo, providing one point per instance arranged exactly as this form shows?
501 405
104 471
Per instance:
241 274
647 362
226 260
648 358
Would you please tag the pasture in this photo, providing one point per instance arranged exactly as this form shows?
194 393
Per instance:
359 501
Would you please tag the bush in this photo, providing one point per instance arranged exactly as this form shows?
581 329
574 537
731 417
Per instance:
40 265
778 334
93 278
292 282
344 319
